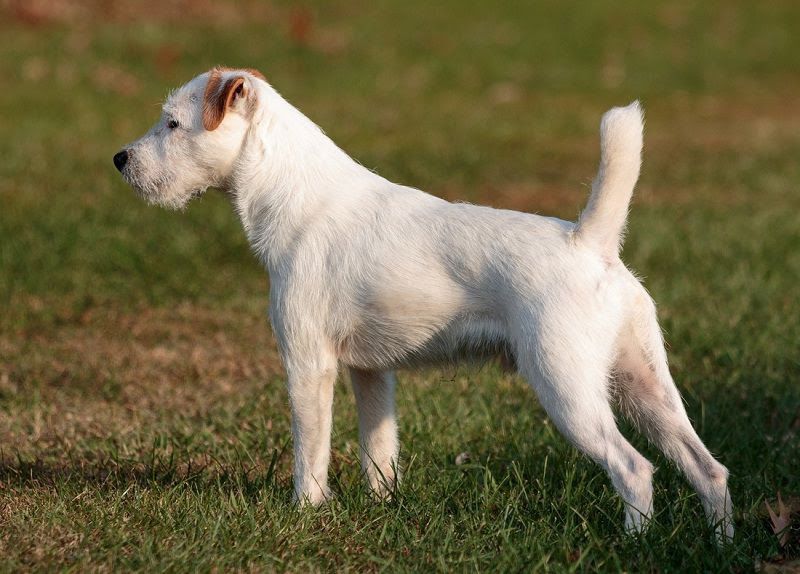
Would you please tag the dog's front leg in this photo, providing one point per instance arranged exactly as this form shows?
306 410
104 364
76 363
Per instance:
311 396
377 425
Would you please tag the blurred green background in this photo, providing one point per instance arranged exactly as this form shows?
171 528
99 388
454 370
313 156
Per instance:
143 420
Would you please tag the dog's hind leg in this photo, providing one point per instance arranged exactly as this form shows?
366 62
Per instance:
573 390
650 399
374 392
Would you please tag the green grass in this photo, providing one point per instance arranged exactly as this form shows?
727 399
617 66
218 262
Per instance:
143 416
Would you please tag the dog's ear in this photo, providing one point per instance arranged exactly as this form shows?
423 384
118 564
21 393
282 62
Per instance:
219 97
256 73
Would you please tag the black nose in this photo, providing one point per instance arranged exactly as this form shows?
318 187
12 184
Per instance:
121 159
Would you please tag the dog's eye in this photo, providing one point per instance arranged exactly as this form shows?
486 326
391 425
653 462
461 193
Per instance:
172 124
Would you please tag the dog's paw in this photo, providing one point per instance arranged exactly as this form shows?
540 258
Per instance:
312 497
636 522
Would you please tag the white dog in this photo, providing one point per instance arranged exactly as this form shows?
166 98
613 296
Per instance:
375 276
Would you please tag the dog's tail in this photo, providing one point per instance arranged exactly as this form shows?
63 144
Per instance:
602 223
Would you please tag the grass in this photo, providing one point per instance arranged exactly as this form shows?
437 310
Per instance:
143 418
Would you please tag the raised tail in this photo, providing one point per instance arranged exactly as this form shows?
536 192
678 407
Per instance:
602 223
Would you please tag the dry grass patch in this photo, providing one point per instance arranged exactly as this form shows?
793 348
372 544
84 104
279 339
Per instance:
82 12
106 373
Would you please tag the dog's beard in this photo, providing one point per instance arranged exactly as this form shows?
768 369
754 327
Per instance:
162 198
160 191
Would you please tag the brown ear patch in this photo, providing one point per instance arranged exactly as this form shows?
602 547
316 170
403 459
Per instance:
217 100
212 115
255 73
251 71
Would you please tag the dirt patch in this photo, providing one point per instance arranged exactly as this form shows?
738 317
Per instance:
106 373
752 121
43 12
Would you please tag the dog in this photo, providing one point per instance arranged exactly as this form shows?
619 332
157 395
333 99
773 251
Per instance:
374 276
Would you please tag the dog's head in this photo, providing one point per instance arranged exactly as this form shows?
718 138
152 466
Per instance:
195 143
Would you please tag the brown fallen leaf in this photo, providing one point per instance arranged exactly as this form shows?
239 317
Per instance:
780 522
778 567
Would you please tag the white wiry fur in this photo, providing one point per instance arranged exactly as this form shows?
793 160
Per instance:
373 276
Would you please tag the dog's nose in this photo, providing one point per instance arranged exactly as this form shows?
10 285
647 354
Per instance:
121 159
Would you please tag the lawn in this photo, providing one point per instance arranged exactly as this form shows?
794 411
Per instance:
144 422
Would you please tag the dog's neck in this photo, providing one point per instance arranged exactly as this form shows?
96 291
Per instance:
289 177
